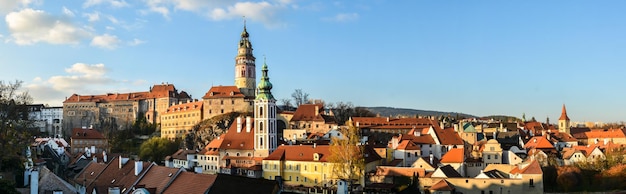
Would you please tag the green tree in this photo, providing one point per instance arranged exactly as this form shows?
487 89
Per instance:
7 187
155 149
346 154
127 141
16 128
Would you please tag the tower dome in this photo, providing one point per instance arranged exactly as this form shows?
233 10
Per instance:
265 86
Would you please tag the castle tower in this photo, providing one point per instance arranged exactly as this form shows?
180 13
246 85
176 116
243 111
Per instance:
245 78
564 125
265 140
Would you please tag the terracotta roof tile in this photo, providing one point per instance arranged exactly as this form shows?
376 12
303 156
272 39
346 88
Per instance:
538 142
157 91
242 140
300 153
399 171
213 147
191 183
306 112
455 155
442 185
157 177
223 92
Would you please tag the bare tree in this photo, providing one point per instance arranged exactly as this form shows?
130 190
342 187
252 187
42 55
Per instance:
342 111
300 97
286 102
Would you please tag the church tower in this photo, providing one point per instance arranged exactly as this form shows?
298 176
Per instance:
245 78
265 140
564 122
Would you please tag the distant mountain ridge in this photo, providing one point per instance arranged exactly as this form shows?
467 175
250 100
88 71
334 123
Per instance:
394 112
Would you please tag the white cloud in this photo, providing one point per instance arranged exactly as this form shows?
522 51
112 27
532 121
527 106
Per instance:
113 20
92 17
113 3
68 12
7 6
136 42
343 17
30 26
81 79
105 41
81 74
263 11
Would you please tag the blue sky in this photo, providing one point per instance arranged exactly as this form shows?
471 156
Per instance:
476 57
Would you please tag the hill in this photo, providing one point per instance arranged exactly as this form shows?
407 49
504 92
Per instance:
394 112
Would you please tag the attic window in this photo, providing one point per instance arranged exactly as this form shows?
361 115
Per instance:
169 175
232 93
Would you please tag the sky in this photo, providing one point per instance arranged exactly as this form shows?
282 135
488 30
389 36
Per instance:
475 57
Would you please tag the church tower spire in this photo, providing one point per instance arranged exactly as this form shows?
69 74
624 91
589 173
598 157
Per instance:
564 122
245 76
265 132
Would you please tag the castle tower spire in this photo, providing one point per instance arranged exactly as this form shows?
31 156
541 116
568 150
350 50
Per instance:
245 76
564 122
265 134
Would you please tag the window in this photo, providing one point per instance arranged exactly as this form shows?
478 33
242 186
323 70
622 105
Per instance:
488 157
532 183
261 111
496 156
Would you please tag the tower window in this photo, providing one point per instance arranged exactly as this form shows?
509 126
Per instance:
261 111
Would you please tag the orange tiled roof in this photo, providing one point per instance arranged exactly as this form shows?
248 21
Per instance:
601 134
213 147
223 92
586 150
300 153
455 155
564 114
158 177
442 185
530 168
306 112
157 91
539 142
387 122
242 140
79 133
407 145
189 182
184 107
447 136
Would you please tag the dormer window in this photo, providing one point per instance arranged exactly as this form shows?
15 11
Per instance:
232 93
316 157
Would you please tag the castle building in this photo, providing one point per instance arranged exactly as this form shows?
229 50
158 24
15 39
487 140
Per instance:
119 110
180 118
564 122
240 97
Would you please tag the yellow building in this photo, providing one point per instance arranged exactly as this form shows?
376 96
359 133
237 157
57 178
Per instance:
179 119
305 165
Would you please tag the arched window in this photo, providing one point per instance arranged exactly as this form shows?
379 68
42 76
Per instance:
261 126
261 141
261 111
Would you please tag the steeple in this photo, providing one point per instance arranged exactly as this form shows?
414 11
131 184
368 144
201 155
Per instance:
564 114
564 124
265 86
245 76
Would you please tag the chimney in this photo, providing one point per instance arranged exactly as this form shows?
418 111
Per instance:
431 157
123 161
93 149
34 181
249 124
238 124
87 152
314 145
317 110
104 156
138 167
387 119
456 127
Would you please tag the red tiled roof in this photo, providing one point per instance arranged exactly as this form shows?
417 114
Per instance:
181 154
455 155
79 133
191 183
213 147
223 92
531 168
157 177
113 175
538 142
387 122
306 112
242 140
89 173
184 107
442 185
157 91
447 136
586 150
601 134
564 114
300 153
407 145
